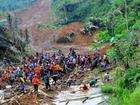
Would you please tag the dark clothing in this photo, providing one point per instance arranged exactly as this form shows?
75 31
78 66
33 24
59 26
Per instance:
55 78
93 82
47 85
69 83
42 73
46 79
36 89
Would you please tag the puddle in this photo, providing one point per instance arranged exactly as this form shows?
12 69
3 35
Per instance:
76 98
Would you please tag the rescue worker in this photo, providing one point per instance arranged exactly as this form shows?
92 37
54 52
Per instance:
26 70
106 77
56 77
31 74
37 70
93 82
47 82
22 84
12 78
35 82
69 81
84 87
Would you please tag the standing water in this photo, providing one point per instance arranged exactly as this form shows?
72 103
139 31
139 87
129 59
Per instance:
75 97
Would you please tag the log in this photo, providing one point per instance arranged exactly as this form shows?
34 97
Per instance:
45 94
100 102
86 98
67 103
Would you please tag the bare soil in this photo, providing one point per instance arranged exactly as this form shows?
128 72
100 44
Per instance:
44 39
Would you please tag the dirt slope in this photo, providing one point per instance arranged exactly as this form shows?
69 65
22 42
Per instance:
40 11
29 17
44 38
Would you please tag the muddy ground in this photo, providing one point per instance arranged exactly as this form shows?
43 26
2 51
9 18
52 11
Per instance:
44 98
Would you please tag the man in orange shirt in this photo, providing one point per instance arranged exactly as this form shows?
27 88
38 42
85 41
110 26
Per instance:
5 76
37 70
35 82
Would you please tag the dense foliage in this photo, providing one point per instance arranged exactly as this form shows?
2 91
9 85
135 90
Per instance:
67 11
120 31
119 21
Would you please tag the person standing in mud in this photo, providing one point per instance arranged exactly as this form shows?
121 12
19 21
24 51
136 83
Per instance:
56 77
22 84
47 82
35 82
106 77
31 74
69 81
12 78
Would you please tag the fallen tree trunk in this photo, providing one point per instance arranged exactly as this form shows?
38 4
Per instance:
43 93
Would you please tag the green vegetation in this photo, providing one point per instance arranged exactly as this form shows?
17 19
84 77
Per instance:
66 11
40 25
67 38
107 88
10 5
120 30
13 42
134 98
119 22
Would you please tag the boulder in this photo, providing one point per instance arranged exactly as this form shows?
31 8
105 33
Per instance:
67 38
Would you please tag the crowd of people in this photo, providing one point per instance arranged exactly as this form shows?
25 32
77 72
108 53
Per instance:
43 66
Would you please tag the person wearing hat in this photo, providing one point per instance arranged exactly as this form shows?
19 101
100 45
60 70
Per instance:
35 82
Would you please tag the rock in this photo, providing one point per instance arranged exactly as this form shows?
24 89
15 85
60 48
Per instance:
8 86
8 95
67 38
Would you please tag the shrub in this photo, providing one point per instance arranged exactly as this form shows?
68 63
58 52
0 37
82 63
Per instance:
132 78
41 25
134 98
78 10
107 88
